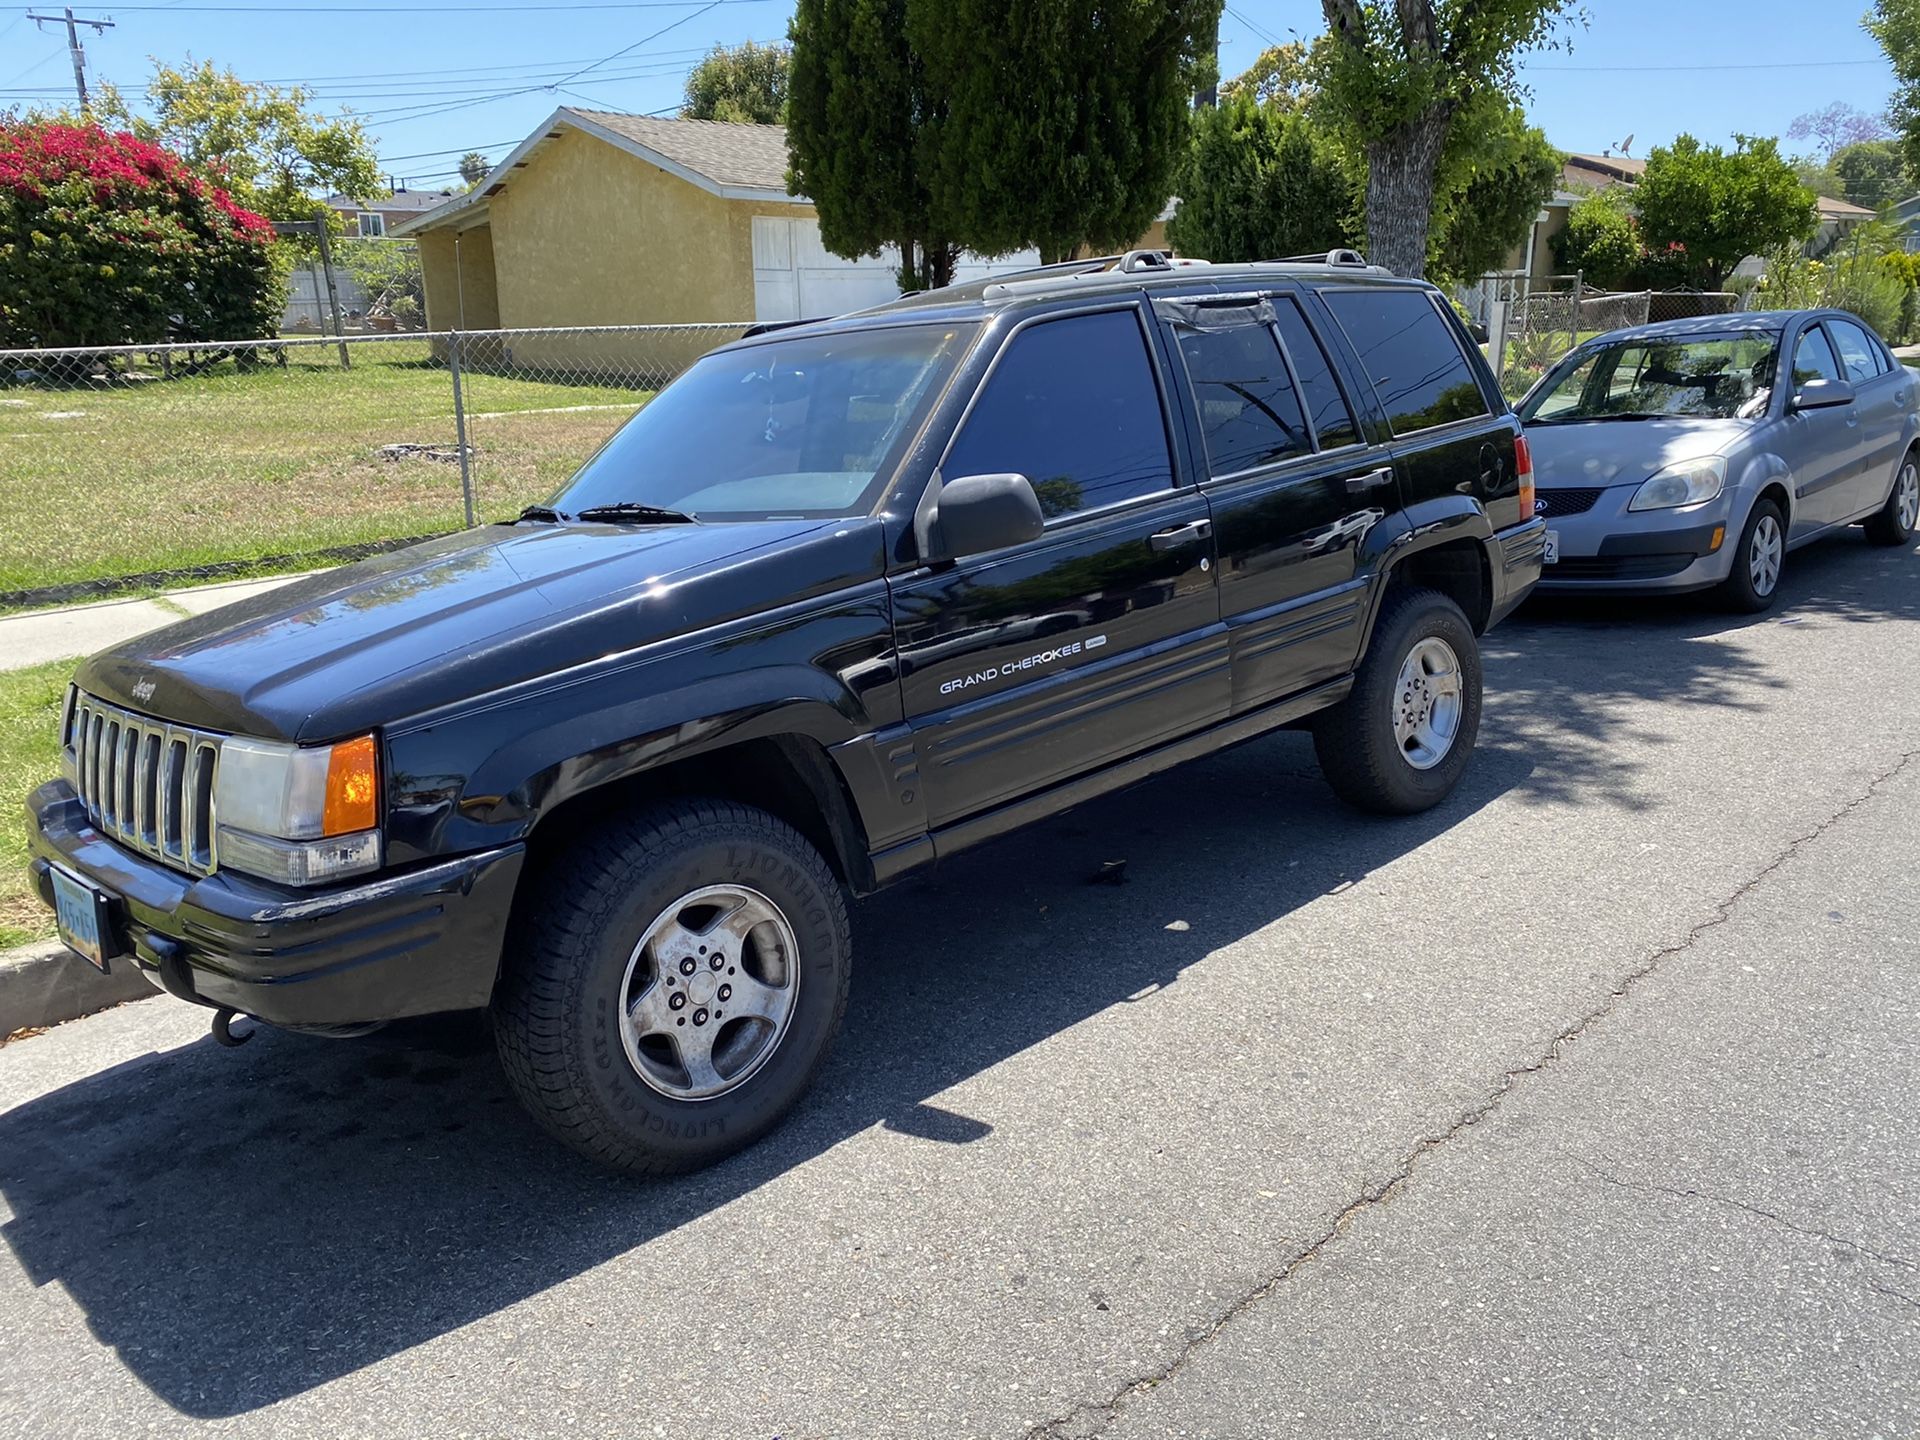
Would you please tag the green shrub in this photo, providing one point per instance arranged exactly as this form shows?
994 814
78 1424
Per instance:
106 239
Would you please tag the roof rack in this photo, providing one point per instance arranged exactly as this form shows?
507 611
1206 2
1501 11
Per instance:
1340 256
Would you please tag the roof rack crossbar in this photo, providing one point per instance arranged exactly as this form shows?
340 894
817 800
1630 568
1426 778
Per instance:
1339 256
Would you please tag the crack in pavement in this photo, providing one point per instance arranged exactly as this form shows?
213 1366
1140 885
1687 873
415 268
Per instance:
1648 1187
1090 1418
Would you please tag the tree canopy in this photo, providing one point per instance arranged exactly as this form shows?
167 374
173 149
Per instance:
1281 75
1838 126
108 239
1495 173
1872 173
1601 241
743 84
1896 25
1259 183
1087 154
1706 209
474 167
263 143
1396 76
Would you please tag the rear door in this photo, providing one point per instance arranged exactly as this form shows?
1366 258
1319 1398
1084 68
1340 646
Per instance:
1294 489
1025 667
1880 404
1824 447
1450 435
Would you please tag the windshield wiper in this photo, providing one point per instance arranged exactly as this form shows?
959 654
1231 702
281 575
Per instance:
629 512
539 512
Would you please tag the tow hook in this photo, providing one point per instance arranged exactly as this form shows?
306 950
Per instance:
223 1029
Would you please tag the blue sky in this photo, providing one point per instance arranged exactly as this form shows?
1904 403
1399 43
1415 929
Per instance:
431 85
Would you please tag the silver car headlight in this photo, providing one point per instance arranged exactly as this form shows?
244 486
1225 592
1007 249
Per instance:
298 814
1691 482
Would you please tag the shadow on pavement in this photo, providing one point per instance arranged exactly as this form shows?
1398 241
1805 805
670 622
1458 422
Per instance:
241 1226
1570 677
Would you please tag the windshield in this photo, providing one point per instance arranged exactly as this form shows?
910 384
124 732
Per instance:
800 428
1720 377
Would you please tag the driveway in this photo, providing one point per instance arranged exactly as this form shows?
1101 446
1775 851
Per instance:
1583 1102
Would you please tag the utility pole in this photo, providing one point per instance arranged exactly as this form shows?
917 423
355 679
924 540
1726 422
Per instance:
100 27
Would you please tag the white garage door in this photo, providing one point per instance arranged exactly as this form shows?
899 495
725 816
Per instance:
795 278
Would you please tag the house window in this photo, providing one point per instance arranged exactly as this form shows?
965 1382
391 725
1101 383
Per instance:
373 225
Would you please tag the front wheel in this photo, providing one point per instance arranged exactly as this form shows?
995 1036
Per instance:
1400 742
673 984
1893 525
1754 583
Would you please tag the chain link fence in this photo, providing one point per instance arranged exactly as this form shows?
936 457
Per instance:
138 466
1531 322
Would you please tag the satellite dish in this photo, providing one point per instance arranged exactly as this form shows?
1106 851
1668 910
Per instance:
1626 147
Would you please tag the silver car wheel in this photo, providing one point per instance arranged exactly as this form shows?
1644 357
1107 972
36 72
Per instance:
1428 703
1764 554
708 992
1907 490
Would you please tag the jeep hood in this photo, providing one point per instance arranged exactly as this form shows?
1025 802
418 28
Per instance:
468 614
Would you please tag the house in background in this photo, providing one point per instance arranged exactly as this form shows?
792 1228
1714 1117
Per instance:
607 219
371 219
1582 175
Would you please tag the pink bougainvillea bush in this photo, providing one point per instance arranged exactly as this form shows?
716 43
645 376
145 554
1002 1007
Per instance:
107 239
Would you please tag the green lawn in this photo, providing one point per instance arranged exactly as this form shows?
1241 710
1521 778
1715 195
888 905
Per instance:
29 756
101 481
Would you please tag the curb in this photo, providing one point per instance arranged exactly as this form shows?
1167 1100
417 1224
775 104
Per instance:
46 984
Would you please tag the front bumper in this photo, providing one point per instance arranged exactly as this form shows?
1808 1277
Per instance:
412 943
1609 547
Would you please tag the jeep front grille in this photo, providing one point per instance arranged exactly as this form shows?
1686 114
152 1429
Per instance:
145 783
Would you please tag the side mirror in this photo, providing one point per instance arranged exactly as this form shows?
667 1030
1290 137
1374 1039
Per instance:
978 513
1822 395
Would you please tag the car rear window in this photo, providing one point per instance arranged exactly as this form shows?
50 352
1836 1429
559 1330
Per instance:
1072 405
1250 412
1410 354
1333 421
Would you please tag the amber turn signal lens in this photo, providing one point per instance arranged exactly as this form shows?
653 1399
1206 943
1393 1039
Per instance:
1523 466
1719 534
353 788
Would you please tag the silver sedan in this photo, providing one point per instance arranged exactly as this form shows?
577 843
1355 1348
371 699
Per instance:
1687 456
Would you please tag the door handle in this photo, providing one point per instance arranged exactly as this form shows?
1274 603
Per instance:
1372 480
1187 534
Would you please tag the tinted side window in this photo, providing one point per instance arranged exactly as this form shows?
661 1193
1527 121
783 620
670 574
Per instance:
1859 354
1072 406
1813 359
1409 353
1249 411
1333 421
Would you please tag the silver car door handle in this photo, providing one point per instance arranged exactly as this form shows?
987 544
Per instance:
1187 534
1372 480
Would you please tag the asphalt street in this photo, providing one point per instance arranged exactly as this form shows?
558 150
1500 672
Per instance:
1584 1104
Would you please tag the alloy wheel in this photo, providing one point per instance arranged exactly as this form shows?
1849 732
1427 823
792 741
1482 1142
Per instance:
1427 703
708 992
1907 503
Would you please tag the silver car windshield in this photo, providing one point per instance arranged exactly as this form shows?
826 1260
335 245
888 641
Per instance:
1720 377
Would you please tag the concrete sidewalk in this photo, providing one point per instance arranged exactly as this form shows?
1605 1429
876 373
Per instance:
37 636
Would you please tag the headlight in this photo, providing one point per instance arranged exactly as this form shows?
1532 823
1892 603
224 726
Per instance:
1689 483
299 814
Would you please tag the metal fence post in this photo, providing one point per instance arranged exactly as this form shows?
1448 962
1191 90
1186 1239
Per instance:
460 425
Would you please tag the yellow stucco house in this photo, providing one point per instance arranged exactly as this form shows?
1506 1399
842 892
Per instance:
607 219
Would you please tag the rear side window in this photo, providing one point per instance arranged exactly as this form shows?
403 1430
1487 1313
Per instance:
1249 410
1859 354
1072 405
1409 353
1813 359
1332 419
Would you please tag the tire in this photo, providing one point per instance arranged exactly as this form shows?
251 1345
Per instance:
1754 584
602 937
1365 750
1894 525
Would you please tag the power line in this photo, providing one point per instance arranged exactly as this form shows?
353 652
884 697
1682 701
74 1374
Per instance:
1756 65
517 7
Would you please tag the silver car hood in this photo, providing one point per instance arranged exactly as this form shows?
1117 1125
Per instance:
1624 452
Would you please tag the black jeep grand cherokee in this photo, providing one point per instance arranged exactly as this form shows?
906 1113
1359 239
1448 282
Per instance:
847 597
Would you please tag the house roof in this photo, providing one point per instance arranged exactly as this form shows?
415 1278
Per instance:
414 201
1832 209
735 162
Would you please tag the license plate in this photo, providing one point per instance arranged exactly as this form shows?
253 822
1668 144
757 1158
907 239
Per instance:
80 914
1551 555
